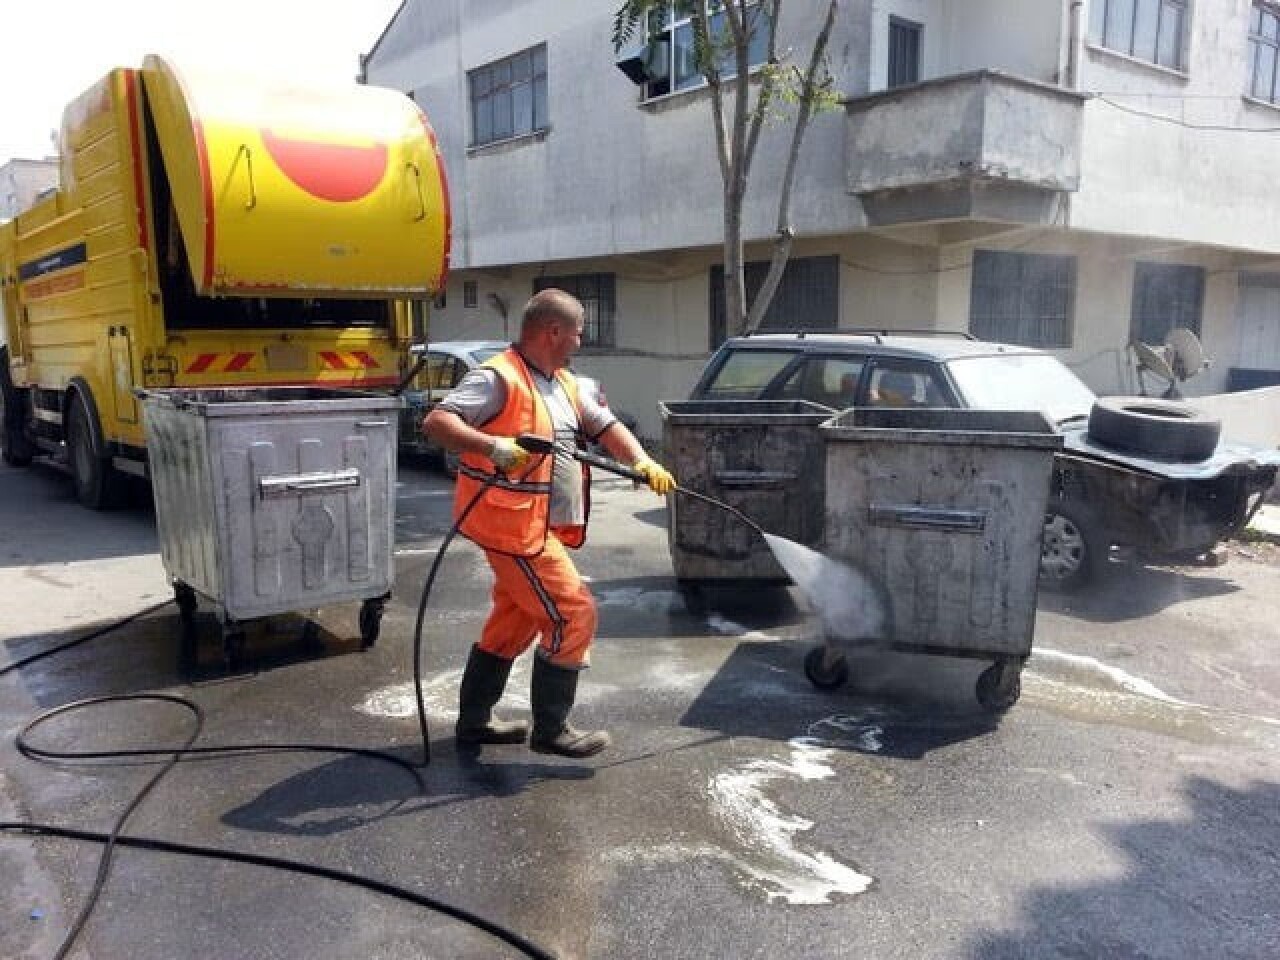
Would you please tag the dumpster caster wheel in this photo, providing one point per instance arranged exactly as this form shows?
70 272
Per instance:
185 598
233 648
311 643
693 597
999 686
825 668
371 622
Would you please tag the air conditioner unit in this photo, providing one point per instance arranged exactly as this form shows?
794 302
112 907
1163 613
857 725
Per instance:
643 61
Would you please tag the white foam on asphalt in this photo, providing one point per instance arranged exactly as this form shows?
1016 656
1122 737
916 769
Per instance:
638 599
859 733
1079 676
776 866
439 694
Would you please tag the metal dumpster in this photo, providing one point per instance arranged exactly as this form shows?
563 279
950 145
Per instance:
944 510
764 457
271 500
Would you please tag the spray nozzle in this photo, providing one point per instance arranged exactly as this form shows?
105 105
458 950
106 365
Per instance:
536 444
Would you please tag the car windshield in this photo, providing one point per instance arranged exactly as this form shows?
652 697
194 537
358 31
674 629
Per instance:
484 353
1022 382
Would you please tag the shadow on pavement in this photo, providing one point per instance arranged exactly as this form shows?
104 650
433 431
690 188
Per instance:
353 792
1131 591
894 705
38 507
1201 883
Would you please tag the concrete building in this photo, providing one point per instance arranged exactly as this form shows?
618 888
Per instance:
22 181
1073 175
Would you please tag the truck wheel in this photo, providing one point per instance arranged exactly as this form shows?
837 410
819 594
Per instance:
1156 428
96 482
1072 548
14 448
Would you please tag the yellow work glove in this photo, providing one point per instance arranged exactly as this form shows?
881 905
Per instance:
656 475
507 455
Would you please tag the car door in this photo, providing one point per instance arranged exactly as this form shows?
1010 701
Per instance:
832 380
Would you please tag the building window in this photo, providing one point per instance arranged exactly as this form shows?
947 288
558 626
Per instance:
904 52
470 293
1165 295
1264 51
598 293
1025 298
807 298
1152 30
672 63
509 97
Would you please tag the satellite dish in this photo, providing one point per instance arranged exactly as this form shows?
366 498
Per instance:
1186 355
1154 359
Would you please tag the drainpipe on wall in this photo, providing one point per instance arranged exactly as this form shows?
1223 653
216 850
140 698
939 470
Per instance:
1075 38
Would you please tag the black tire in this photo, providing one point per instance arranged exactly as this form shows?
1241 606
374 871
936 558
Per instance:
693 597
1000 686
96 481
1155 428
826 672
15 449
1073 547
371 621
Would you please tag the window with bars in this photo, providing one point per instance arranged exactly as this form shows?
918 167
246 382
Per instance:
672 63
598 294
1165 295
1151 30
1264 51
904 52
1025 298
509 97
807 298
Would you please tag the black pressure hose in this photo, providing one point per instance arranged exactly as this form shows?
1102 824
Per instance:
117 838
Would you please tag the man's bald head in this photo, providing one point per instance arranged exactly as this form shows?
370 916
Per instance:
547 307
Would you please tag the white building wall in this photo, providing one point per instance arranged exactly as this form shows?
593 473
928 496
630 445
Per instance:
1017 36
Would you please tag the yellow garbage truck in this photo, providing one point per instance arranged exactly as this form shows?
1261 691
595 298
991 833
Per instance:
212 231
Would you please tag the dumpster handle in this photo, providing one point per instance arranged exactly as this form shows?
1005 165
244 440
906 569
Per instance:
272 488
422 201
253 192
928 518
752 479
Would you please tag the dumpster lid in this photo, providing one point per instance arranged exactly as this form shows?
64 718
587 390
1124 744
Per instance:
992 428
292 191
743 412
273 401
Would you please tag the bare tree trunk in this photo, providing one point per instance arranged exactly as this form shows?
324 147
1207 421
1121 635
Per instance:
785 233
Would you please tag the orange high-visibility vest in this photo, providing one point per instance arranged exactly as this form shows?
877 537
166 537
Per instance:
512 515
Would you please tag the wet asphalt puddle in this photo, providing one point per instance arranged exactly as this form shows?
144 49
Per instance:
745 828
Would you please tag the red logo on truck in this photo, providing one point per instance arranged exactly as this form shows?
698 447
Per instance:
330 171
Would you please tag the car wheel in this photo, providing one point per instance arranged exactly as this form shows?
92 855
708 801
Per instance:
1072 548
1157 428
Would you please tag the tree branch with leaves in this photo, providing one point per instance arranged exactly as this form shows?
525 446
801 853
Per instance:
723 33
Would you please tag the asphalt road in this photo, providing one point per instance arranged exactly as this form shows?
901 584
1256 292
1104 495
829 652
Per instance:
1128 806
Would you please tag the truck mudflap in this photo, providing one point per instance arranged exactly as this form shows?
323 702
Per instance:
291 192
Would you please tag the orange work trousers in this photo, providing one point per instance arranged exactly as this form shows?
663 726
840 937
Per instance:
540 598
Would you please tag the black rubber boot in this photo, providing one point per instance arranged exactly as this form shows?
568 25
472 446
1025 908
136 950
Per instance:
482 684
553 692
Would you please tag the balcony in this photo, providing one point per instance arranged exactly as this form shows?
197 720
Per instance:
981 146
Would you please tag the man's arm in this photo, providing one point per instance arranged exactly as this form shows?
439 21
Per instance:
447 429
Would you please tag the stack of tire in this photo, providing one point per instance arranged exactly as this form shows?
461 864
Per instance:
1159 429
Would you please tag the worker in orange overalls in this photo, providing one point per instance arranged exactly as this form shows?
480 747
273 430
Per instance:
535 508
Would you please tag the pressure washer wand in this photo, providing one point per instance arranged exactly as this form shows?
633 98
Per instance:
546 447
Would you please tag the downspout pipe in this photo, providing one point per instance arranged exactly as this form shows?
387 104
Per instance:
1075 39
